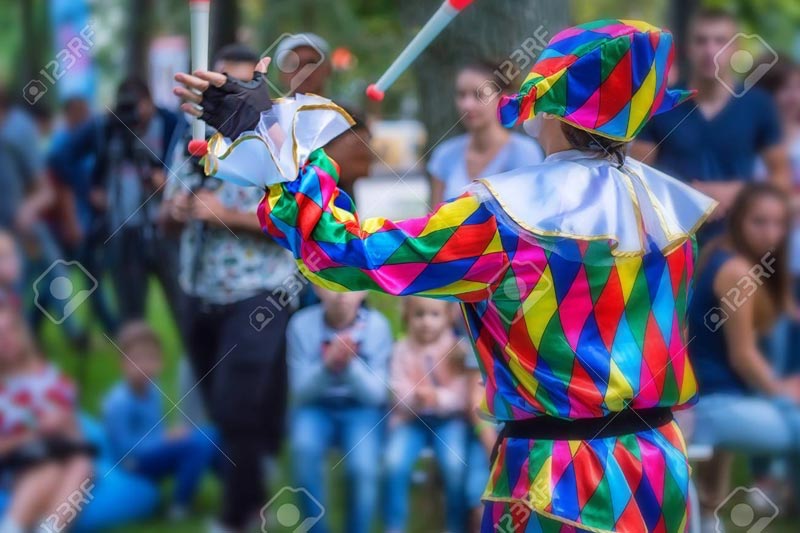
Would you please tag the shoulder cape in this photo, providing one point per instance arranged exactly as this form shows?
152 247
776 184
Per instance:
577 196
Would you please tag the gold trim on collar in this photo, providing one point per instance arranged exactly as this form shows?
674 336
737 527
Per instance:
545 514
218 137
660 214
674 240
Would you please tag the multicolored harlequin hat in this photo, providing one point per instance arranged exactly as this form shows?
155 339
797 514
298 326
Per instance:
607 77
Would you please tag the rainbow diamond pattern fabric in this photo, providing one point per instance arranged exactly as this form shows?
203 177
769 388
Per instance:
608 77
567 338
633 483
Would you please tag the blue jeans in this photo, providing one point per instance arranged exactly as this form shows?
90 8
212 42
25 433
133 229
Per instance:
752 425
477 471
779 348
314 431
748 424
781 344
187 458
448 438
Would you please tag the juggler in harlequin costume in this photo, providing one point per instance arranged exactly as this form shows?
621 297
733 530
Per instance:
573 275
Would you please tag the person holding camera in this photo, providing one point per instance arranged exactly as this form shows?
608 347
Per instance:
129 175
130 145
238 295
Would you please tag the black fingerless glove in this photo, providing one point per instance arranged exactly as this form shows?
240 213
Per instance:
236 107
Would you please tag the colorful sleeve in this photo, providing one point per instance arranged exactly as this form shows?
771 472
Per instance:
456 251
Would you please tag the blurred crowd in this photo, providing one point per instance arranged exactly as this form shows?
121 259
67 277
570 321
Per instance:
96 206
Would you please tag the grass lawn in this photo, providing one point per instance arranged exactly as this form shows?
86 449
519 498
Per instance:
100 366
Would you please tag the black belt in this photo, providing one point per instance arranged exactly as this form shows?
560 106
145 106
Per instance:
624 422
39 451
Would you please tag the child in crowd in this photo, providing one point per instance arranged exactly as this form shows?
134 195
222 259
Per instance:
10 270
429 382
134 416
338 355
43 457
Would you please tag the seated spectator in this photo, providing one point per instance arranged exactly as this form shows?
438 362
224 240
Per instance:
43 457
134 418
741 290
338 355
429 381
782 81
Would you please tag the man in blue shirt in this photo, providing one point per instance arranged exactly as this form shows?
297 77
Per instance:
714 140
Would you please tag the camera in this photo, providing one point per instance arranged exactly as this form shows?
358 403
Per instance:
127 110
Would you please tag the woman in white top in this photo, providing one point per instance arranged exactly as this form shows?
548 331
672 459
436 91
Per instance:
487 148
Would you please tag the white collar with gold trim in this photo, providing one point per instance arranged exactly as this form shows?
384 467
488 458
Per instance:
577 195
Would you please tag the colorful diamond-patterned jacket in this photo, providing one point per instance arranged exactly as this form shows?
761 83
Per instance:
574 277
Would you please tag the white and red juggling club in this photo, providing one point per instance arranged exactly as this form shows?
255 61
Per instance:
438 22
200 29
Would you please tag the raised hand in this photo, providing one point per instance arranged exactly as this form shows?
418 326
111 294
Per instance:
228 104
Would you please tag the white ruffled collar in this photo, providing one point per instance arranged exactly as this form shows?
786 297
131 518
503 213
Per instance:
576 195
281 143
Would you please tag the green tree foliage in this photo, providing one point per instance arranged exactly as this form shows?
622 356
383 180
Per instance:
510 33
368 28
776 21
374 30
653 11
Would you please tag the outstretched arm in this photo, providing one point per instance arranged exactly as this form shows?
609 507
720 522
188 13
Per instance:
456 251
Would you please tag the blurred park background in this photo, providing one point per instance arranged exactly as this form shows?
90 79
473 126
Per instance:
366 36
149 40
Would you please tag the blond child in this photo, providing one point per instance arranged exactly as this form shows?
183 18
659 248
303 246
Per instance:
429 382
